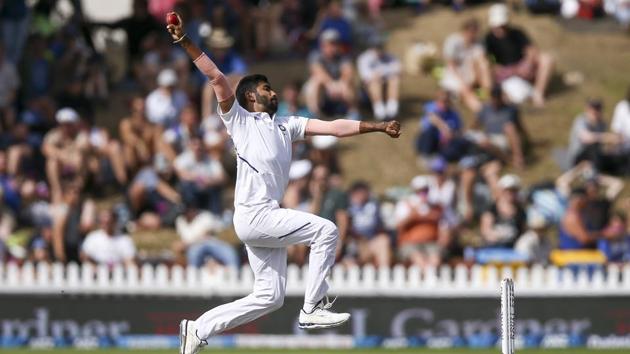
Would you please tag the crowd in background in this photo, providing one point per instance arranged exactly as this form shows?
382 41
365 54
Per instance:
169 163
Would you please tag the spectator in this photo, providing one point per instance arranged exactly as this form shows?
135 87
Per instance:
589 136
165 103
7 226
333 19
466 65
14 17
372 244
535 243
325 152
504 222
201 177
380 72
443 192
140 138
501 129
107 245
297 196
232 65
330 202
165 56
39 245
176 139
65 149
440 128
514 54
620 9
331 80
72 218
601 192
105 157
421 240
615 241
151 196
620 126
9 84
198 230
291 103
573 232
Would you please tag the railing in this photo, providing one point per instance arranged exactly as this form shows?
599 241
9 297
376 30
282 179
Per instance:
367 281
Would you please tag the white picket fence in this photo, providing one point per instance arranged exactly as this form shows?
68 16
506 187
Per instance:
367 281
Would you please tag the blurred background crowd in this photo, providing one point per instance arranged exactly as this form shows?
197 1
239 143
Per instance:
77 188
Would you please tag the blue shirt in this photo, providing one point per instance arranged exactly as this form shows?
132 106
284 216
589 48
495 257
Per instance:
449 116
341 25
366 220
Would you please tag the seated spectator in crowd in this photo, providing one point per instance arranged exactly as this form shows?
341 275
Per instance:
201 177
367 238
443 191
232 65
105 157
151 195
535 243
198 230
39 245
440 128
291 103
9 84
330 202
65 149
331 17
324 151
107 245
573 231
513 54
7 226
140 138
601 192
165 103
421 238
500 129
166 56
466 65
620 126
590 140
176 138
10 185
380 73
72 217
330 88
297 196
615 241
505 221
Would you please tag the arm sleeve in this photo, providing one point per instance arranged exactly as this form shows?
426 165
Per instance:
297 127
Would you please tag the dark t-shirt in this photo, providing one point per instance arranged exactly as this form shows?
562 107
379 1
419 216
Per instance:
493 119
596 214
333 201
513 226
509 49
332 66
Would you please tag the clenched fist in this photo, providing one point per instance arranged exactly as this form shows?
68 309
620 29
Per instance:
392 129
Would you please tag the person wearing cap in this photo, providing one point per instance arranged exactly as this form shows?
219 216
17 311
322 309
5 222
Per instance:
504 221
367 238
422 238
201 176
220 48
264 144
379 71
513 54
333 19
330 87
590 140
165 103
535 243
466 65
65 149
501 128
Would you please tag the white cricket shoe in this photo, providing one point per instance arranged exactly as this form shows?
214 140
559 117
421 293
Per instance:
189 342
321 317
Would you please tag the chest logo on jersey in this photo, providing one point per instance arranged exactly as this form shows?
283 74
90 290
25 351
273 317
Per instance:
283 128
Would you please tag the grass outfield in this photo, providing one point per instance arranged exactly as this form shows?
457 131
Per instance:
318 351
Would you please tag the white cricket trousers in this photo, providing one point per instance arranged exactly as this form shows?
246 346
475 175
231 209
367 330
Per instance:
266 234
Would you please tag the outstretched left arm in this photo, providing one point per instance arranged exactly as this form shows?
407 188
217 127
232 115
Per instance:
345 127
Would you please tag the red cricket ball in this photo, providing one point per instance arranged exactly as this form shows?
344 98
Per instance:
172 19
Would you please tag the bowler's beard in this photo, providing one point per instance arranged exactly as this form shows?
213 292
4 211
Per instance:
270 105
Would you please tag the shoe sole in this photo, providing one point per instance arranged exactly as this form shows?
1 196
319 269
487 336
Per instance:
183 333
320 326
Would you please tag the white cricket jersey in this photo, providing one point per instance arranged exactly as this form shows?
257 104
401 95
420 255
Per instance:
263 151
